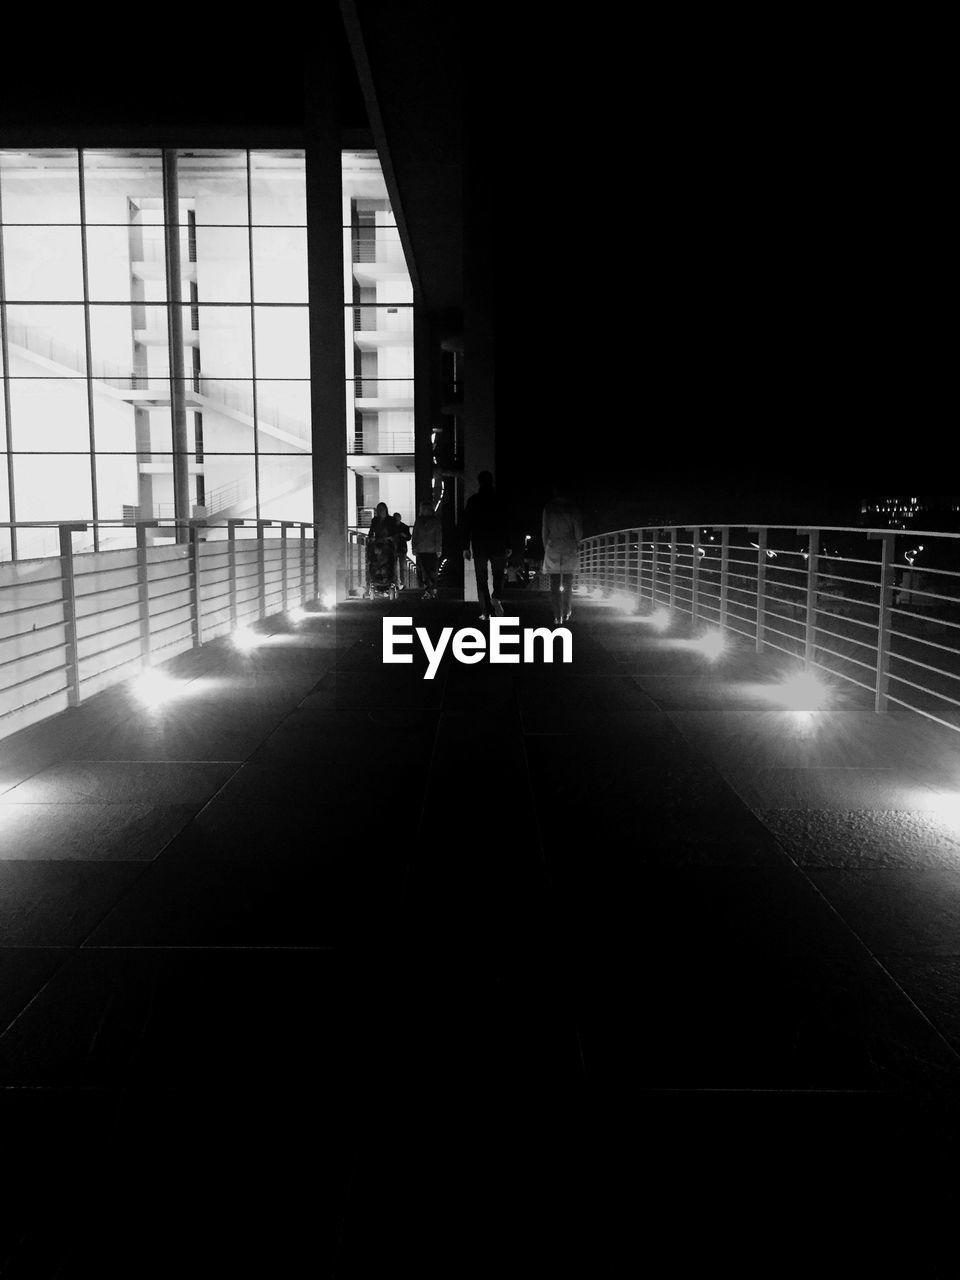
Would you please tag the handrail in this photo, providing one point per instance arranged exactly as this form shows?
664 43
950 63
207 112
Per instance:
75 623
676 567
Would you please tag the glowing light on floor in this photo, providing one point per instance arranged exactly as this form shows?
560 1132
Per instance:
947 813
245 639
296 614
711 644
154 689
801 692
328 600
659 619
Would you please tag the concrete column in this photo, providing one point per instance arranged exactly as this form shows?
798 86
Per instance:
325 277
426 402
178 405
479 269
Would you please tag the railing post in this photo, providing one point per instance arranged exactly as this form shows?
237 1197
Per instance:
303 565
761 584
316 564
695 576
232 544
68 586
883 622
262 565
810 627
724 574
195 527
639 569
673 567
284 601
143 588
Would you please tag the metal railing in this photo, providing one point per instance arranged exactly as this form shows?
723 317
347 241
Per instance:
75 623
357 576
878 608
381 442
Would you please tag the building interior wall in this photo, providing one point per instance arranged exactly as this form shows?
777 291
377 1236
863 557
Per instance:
90 388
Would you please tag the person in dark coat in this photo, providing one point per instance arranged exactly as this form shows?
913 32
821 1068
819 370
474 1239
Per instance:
402 536
486 537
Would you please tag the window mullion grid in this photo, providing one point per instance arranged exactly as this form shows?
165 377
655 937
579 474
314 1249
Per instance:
7 414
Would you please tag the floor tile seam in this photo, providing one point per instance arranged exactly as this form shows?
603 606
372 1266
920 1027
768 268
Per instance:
48 722
135 880
568 989
422 816
874 958
38 993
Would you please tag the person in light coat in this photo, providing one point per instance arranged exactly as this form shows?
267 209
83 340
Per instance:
562 531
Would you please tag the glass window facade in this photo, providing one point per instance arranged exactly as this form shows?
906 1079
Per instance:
154 339
378 337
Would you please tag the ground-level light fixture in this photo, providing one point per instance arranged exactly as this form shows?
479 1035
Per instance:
802 691
245 638
711 644
154 689
328 600
659 619
296 614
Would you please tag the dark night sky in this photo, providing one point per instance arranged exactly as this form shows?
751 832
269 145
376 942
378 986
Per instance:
728 310
718 251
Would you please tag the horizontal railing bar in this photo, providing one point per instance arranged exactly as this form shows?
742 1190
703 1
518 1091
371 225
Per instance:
37 675
920 712
739 631
37 653
949 573
843 657
837 577
791 653
932 595
847 639
34 631
924 689
905 635
99 653
863 604
792 528
842 617
842 675
777 632
940 622
772 613
902 657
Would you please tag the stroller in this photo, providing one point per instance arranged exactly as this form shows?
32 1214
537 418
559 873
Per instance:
382 568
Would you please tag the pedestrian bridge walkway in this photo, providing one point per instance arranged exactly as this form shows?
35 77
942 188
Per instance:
312 966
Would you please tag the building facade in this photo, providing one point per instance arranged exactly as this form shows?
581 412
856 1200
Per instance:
155 342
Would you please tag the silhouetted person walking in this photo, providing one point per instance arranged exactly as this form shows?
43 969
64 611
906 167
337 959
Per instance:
562 531
485 532
426 547
402 534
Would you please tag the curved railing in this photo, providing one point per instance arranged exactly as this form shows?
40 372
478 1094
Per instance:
75 623
879 608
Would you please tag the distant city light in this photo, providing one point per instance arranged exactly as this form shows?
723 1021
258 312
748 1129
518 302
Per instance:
155 688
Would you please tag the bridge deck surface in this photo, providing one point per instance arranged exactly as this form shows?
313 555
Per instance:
327 964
